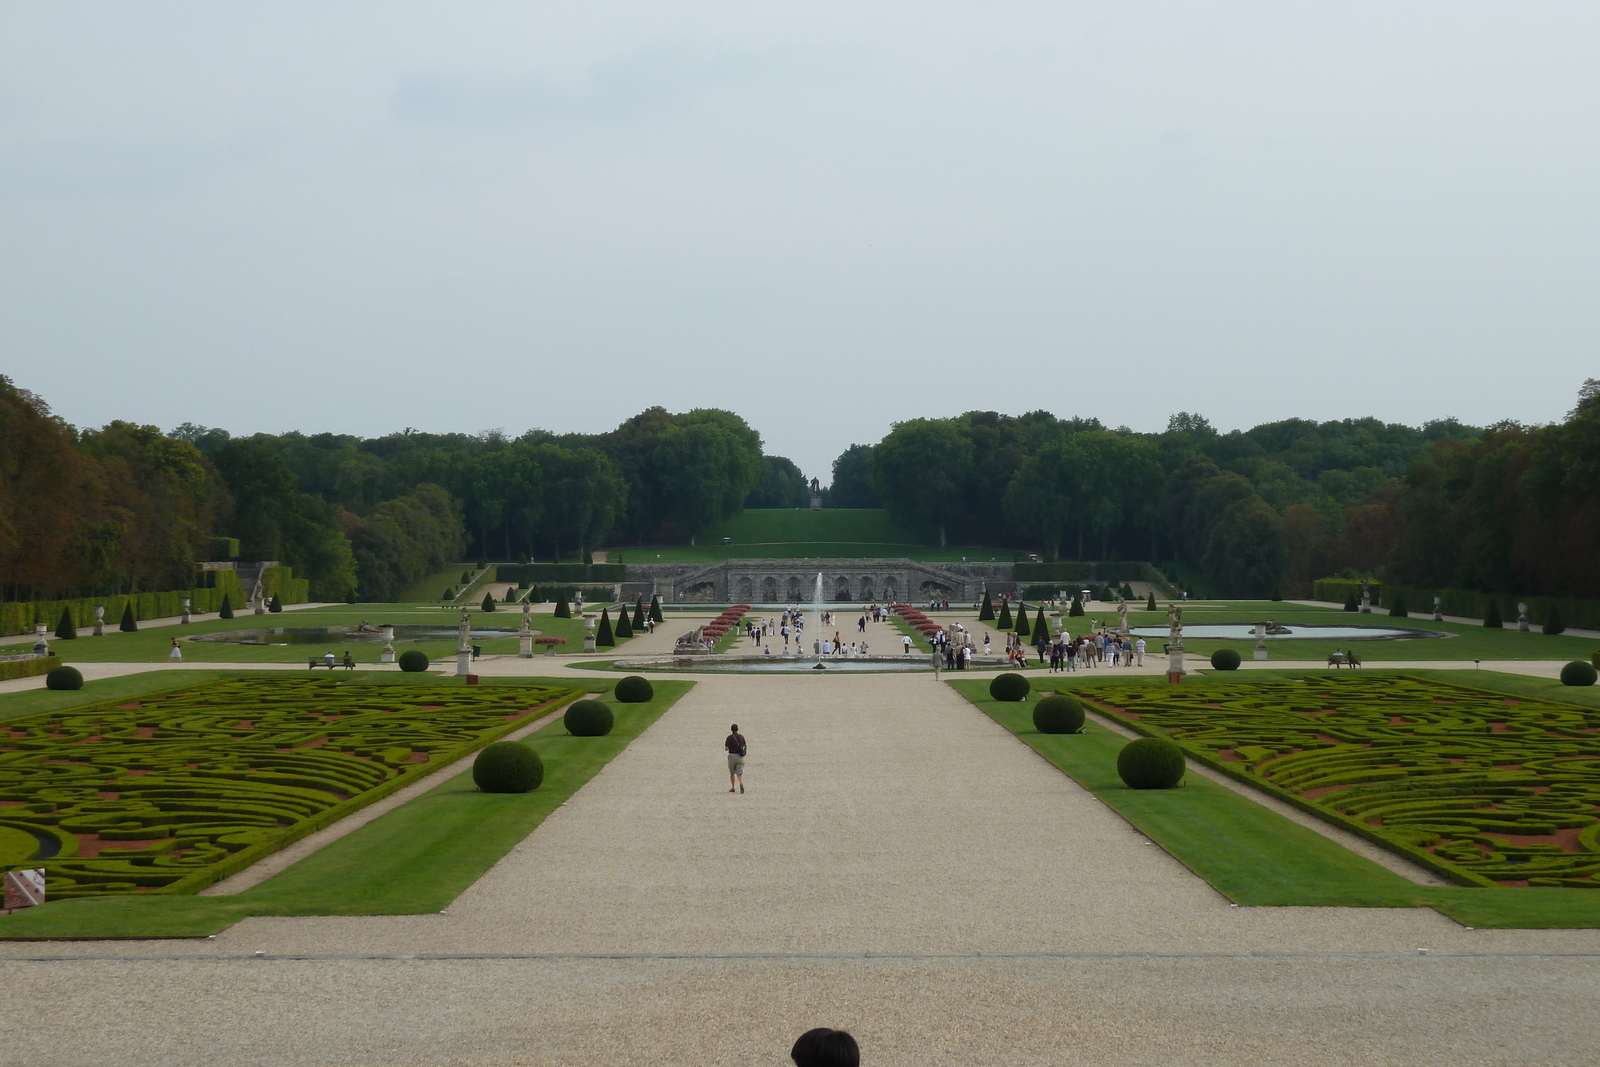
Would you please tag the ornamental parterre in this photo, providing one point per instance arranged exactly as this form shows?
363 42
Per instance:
1488 788
171 791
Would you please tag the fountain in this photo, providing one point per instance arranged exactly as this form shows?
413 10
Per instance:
816 604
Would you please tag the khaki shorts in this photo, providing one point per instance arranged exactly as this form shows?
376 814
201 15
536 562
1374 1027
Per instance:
735 763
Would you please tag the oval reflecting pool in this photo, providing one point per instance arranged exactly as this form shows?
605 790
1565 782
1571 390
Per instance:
1245 631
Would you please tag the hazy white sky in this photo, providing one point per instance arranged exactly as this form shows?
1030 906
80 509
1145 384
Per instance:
824 216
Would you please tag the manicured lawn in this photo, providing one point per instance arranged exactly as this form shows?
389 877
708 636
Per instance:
1253 855
1467 643
152 644
414 859
832 533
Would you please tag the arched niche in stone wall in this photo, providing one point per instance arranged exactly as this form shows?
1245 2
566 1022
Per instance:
747 591
769 590
841 589
794 591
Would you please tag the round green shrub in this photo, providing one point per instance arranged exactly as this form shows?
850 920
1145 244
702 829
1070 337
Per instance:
1225 659
508 767
1150 763
413 660
588 718
64 678
1575 673
634 690
1059 714
1009 686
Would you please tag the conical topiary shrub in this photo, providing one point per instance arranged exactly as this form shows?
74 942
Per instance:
65 629
1491 617
655 608
603 638
488 601
563 609
1041 627
1350 603
1076 611
1552 622
986 612
275 605
638 614
1005 616
128 625
466 576
1398 609
449 594
226 611
624 627
1150 604
1023 628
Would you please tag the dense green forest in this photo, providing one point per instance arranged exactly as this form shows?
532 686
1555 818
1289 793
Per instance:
128 508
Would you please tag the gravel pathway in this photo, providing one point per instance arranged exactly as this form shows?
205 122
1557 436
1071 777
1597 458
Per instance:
885 815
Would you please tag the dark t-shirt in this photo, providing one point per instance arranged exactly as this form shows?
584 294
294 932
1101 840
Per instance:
734 743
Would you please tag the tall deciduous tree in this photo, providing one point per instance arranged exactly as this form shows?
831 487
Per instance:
919 470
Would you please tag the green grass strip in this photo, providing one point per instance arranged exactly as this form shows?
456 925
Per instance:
414 859
1256 857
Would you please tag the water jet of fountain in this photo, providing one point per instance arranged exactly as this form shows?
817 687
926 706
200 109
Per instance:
816 604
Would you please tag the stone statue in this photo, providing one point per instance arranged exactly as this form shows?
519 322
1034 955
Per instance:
99 620
1122 616
1438 610
525 635
386 655
588 633
1366 598
464 645
1175 621
186 603
1522 617
1174 642
1262 629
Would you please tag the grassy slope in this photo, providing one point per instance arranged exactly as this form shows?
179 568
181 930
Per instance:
414 859
831 533
1256 857
152 644
429 588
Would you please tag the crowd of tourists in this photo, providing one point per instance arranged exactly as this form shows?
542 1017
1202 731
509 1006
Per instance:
789 627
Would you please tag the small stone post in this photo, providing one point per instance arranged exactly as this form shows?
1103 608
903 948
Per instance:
588 633
99 620
464 646
525 635
387 655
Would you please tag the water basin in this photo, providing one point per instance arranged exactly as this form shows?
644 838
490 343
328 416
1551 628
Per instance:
1302 631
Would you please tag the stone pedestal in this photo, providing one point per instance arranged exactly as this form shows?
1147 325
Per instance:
258 606
387 655
41 639
1522 618
99 620
588 633
186 605
1175 670
464 646
525 635
1438 611
1261 640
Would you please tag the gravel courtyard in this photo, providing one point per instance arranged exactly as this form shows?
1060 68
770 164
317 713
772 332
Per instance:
901 867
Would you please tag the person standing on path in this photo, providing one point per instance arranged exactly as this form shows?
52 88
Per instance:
177 651
736 748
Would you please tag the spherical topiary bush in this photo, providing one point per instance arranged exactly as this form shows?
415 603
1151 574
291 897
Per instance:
1009 686
588 718
508 767
1575 673
1150 763
1225 659
1058 714
64 678
413 660
634 690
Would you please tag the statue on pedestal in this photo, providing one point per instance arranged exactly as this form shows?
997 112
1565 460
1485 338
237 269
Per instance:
1438 610
186 603
387 655
588 633
464 645
525 635
1261 640
99 620
1122 617
1366 598
1174 641
1522 617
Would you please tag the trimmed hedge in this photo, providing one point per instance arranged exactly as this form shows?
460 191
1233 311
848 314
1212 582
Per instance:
28 666
232 770
634 690
1058 714
1150 763
588 718
64 678
1009 686
1415 765
507 767
1225 659
20 617
1578 672
413 660
562 573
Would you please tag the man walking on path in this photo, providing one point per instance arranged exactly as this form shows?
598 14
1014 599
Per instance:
735 747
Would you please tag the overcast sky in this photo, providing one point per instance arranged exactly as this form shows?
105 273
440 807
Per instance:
824 216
